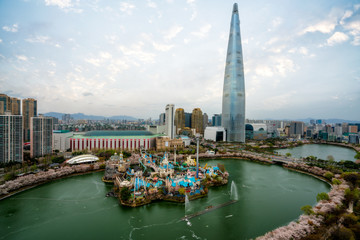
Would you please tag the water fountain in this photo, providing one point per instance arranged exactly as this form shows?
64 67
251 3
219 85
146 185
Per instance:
233 192
187 205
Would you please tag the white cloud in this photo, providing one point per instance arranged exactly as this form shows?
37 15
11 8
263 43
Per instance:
264 71
22 57
323 27
277 21
59 3
151 4
162 47
1 40
279 101
203 31
127 7
38 39
136 53
354 30
13 28
94 61
173 31
303 51
105 55
347 15
336 38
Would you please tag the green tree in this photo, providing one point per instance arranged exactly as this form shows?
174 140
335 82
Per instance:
322 196
307 209
288 154
125 193
329 175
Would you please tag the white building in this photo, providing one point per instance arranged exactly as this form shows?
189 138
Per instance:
215 134
61 140
169 120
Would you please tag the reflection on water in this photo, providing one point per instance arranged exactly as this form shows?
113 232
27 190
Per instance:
76 208
320 151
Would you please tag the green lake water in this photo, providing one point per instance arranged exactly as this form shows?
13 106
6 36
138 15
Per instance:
76 208
321 151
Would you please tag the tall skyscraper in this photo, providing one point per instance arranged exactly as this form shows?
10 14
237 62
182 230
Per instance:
29 110
179 119
233 105
11 138
169 120
197 120
41 136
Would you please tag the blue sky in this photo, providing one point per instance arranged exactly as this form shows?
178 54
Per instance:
302 58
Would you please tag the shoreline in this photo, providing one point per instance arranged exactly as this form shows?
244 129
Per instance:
47 181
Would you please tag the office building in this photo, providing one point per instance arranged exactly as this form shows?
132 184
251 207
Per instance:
169 120
162 119
205 121
179 120
29 110
188 120
296 129
216 120
41 136
11 138
233 103
197 120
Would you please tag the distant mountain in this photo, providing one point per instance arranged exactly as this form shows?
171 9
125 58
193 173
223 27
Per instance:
78 116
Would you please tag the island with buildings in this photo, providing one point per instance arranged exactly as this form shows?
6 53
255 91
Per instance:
144 178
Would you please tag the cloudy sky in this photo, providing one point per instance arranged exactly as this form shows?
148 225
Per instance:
103 57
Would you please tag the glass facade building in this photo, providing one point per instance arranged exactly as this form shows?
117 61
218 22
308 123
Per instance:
233 105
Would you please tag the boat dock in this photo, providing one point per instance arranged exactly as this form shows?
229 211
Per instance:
187 217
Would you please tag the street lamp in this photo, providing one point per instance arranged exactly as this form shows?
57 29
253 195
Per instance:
197 136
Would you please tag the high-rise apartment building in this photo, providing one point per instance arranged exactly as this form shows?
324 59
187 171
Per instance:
233 103
15 106
169 120
197 120
11 138
41 136
5 103
9 104
353 129
29 110
179 119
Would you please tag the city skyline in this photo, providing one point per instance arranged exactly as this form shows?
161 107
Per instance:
132 58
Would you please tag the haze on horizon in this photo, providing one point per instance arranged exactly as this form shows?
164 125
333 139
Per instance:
109 58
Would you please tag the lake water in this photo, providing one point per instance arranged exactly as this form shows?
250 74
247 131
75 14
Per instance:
321 151
76 208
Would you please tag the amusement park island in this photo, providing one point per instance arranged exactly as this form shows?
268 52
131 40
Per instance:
144 178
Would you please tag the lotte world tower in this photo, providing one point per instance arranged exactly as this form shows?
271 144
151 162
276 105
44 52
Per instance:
233 105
